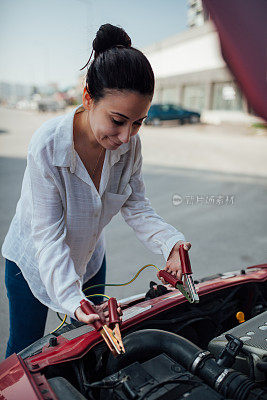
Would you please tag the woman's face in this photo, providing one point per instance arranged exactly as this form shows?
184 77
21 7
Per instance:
116 117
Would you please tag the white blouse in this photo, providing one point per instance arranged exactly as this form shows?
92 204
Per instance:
56 235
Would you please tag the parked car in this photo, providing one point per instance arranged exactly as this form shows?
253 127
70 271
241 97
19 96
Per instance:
166 112
215 349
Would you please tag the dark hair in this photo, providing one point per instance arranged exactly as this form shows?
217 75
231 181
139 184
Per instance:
117 65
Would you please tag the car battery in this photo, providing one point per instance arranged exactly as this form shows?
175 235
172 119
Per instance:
159 378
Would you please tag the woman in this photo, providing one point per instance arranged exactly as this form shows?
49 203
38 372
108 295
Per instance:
82 169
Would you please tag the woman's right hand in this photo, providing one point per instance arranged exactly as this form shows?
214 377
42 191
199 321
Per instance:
101 314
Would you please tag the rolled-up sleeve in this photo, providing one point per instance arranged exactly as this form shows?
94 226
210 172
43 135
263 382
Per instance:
56 267
157 235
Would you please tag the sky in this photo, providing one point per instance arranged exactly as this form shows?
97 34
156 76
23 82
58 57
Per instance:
43 41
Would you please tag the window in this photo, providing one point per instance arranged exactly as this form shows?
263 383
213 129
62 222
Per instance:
226 96
170 95
194 97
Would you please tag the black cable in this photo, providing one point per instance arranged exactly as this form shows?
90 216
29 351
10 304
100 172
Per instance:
174 380
61 319
111 386
106 385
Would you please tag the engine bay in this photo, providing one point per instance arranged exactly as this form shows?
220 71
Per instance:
192 351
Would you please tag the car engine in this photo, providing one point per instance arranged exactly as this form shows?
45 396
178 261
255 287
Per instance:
190 351
162 365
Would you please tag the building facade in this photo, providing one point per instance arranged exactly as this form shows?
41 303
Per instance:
191 72
196 15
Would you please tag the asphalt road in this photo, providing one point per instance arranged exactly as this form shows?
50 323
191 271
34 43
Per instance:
210 182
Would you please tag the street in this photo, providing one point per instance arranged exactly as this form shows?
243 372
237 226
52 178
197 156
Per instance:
210 182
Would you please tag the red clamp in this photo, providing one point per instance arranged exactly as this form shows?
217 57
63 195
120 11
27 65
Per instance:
186 285
111 334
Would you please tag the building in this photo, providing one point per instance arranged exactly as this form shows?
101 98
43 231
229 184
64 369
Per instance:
13 92
196 15
191 72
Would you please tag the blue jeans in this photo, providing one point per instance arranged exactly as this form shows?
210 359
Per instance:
27 314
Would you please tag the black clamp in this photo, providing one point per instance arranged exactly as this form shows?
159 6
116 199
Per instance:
228 355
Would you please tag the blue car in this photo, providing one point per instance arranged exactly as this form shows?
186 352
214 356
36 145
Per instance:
167 112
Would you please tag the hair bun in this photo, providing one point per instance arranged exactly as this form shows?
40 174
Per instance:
109 36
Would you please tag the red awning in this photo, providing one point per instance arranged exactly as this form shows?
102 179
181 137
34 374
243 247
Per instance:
242 29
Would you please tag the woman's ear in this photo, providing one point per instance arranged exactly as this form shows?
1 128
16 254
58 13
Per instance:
87 100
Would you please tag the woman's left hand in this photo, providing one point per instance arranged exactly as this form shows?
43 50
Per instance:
102 310
173 264
101 313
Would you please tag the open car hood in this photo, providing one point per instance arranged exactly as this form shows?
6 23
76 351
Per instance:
20 375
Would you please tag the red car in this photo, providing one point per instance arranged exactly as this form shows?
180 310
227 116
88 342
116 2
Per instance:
214 349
